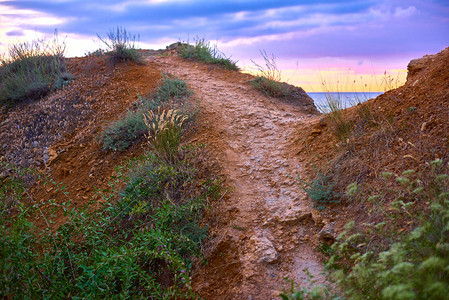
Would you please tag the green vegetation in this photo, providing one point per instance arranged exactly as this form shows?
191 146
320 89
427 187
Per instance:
336 101
142 240
405 254
320 190
31 70
122 133
164 133
387 265
334 105
202 51
140 243
269 79
121 45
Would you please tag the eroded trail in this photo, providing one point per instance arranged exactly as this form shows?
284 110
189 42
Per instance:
269 223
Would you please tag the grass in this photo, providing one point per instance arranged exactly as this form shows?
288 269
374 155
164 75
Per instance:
164 133
121 45
334 110
202 51
119 135
31 70
270 77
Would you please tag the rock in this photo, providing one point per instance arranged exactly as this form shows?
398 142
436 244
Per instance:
315 132
265 250
292 215
415 65
45 157
178 45
35 144
328 232
300 98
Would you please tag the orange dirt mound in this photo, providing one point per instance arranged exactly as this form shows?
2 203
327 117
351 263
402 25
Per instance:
102 93
407 131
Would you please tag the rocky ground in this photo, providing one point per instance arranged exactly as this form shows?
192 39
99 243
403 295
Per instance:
265 228
268 228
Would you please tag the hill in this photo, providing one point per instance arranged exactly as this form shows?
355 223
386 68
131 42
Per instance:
234 176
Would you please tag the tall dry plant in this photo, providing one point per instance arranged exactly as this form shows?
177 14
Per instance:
164 132
269 78
270 71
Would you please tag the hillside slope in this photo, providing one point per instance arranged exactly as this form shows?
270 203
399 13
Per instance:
264 228
266 222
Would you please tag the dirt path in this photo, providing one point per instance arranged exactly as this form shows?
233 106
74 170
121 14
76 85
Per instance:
269 225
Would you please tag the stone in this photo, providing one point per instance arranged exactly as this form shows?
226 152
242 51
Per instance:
265 250
328 232
315 132
299 98
416 65
291 215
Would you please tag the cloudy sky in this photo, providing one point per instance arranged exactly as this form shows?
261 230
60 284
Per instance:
311 40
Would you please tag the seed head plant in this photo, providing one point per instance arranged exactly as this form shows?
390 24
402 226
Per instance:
164 132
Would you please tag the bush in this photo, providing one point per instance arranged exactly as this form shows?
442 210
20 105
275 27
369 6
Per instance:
202 51
172 88
119 135
31 70
320 190
388 265
271 87
121 45
140 244
164 133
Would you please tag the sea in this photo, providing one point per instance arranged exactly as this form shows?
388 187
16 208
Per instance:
345 99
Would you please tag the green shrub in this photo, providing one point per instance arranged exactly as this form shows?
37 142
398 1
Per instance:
121 45
120 134
31 70
172 88
271 87
140 244
320 190
164 133
388 265
202 51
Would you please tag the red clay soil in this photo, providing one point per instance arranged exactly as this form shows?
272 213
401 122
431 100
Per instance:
59 134
409 128
265 228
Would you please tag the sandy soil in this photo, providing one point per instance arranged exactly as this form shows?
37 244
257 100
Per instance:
268 229
264 229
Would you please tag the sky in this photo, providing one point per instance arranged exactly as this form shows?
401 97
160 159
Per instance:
324 44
